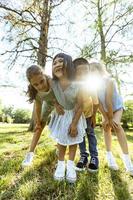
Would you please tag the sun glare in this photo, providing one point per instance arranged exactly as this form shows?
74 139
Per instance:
92 83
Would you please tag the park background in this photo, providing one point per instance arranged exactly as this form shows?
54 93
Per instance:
33 32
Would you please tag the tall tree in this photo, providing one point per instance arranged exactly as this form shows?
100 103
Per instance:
111 23
28 31
27 27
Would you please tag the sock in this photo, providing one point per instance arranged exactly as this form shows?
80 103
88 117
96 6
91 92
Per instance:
70 162
127 161
61 162
109 153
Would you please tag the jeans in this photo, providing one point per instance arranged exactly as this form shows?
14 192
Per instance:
92 141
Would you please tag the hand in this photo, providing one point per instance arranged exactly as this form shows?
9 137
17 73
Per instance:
113 124
38 127
59 109
105 124
73 130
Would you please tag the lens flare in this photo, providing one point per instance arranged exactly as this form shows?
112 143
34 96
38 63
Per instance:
91 83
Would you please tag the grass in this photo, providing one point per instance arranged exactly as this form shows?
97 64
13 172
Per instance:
36 182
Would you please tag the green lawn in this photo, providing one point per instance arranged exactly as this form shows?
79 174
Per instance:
36 182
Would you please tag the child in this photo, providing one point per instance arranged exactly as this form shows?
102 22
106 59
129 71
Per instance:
67 129
39 89
90 105
111 107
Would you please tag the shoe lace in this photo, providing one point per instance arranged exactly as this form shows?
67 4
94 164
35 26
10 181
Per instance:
82 160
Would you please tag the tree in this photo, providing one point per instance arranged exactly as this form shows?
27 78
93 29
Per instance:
111 24
110 20
28 30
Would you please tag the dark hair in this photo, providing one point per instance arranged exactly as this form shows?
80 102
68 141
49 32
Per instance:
30 72
80 61
67 63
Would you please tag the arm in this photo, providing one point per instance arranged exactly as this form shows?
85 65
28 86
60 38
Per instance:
59 108
95 108
109 97
42 113
38 108
38 126
105 122
77 114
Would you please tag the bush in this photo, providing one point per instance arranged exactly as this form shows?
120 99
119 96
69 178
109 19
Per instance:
8 111
22 116
10 115
9 119
127 118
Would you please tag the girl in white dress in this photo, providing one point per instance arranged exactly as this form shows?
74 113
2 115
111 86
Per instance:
67 129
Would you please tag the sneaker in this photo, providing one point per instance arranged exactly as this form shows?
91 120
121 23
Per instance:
111 161
81 165
71 176
28 159
93 165
60 171
128 164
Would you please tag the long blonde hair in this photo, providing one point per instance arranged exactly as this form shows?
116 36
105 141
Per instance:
99 67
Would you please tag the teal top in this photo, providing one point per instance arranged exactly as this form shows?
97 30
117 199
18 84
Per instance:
47 100
67 97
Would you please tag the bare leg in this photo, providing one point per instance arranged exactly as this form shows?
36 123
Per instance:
108 143
120 132
107 136
71 173
62 150
72 151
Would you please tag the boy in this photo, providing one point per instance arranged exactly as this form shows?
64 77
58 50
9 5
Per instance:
90 105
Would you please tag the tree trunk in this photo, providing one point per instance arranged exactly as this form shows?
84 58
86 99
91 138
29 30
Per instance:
43 39
101 33
43 44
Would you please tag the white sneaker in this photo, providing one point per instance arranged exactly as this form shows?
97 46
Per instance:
111 161
60 171
28 159
128 164
71 172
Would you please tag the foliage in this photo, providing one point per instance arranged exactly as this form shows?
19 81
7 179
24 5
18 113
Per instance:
10 115
22 116
127 118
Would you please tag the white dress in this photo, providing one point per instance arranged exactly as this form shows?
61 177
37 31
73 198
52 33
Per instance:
59 124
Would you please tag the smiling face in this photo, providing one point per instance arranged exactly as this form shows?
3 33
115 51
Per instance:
39 82
58 67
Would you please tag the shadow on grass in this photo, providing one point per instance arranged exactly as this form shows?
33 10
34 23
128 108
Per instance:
40 173
37 182
10 136
120 186
87 186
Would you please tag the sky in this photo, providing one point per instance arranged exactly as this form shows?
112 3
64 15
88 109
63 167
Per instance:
77 36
